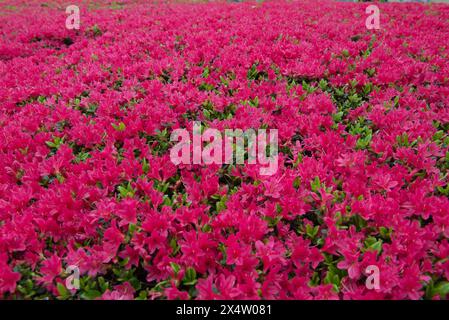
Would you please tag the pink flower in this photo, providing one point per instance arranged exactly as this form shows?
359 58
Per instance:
8 278
51 268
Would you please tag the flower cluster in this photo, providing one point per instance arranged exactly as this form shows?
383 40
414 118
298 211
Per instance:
86 178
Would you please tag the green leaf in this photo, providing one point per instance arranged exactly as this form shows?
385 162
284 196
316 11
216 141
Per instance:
56 143
50 144
338 116
438 135
174 245
127 191
206 72
312 231
221 205
441 288
206 228
190 277
254 102
120 127
90 294
323 84
372 243
333 278
96 30
175 267
143 295
370 72
60 178
315 184
145 165
103 284
82 156
62 290
207 114
297 182
385 233
252 73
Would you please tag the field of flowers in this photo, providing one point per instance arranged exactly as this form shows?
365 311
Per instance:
86 180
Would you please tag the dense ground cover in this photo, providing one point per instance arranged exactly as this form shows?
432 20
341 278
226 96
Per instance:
86 179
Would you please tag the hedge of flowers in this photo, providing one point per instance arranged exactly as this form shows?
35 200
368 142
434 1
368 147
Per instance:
86 178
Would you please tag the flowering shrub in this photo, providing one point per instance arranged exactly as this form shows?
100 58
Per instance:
86 178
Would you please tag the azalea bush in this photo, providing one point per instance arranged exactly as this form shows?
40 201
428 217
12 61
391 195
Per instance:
86 178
